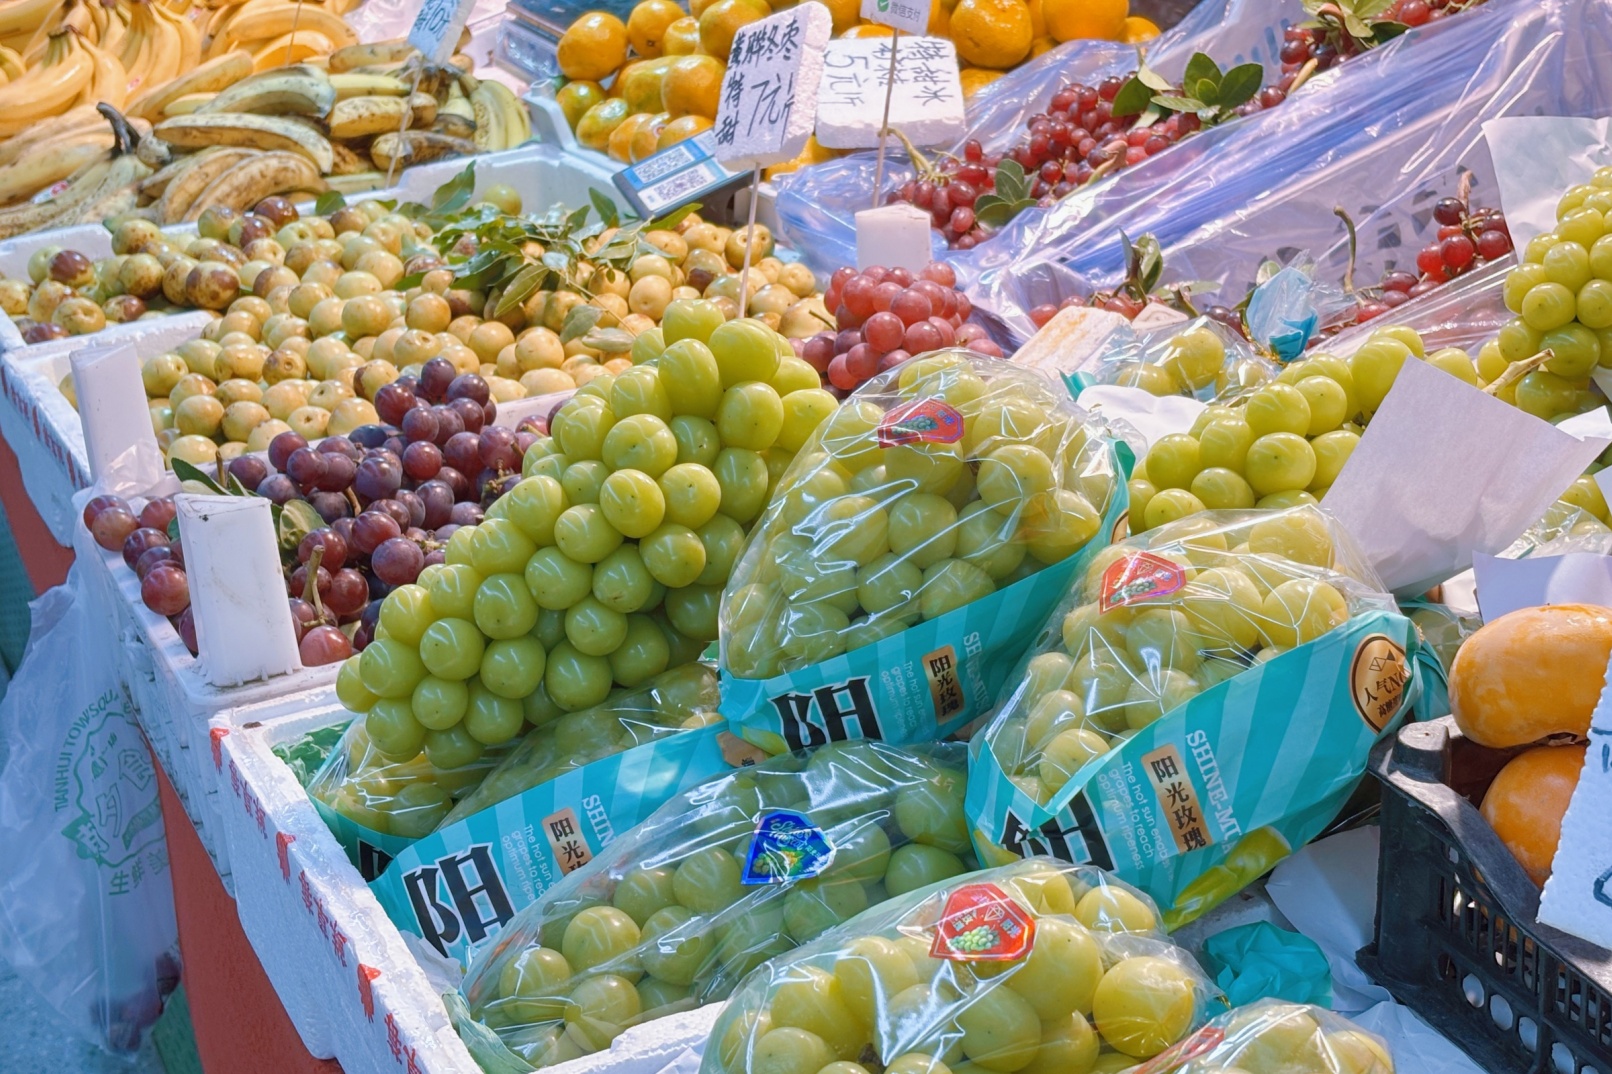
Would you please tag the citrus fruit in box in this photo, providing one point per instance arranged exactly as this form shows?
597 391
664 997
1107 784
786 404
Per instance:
992 33
1531 674
1069 19
1527 800
693 86
593 47
648 23
723 19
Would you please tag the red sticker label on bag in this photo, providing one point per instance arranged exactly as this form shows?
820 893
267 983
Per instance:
1143 576
929 421
982 923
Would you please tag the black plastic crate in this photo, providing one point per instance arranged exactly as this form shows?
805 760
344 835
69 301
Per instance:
1457 937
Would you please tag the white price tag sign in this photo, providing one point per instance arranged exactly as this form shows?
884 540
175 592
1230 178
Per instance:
908 16
927 105
1578 896
769 93
437 28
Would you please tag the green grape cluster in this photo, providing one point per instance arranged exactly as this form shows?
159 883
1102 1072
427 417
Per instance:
1561 293
682 699
663 921
1190 362
1251 585
1082 997
978 938
888 517
604 565
1274 1037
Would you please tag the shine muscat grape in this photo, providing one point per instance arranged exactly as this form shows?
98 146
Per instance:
1083 997
604 563
1256 585
872 534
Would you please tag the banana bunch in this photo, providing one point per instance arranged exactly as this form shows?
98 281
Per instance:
237 177
104 187
279 33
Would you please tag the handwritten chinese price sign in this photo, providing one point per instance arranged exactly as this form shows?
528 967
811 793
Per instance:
926 105
769 94
437 28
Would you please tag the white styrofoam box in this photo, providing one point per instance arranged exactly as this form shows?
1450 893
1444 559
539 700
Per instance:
42 427
345 973
541 173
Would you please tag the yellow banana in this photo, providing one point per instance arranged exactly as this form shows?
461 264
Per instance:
49 89
244 129
35 48
187 32
357 182
25 178
266 23
108 83
189 104
416 147
249 182
24 16
362 117
378 52
302 91
167 48
214 30
184 185
422 109
347 84
28 216
117 24
489 120
456 116
303 46
517 124
12 64
75 120
213 76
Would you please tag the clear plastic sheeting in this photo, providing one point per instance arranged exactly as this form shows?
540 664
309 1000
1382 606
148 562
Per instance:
723 877
1272 1037
1036 967
1384 136
817 206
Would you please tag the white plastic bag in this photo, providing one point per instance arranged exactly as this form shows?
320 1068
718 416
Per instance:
86 902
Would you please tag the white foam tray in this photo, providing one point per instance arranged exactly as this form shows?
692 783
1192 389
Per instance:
346 975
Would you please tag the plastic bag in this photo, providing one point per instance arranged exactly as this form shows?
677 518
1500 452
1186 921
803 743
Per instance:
1030 967
1273 1037
913 543
376 806
1397 120
1200 703
552 805
726 875
817 205
1200 357
86 902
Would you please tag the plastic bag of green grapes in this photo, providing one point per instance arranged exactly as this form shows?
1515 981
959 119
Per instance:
909 551
376 805
1201 358
1031 968
552 805
1199 705
1273 1037
724 876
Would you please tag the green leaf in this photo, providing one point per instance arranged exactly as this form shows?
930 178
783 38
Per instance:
577 218
329 202
609 340
555 260
579 322
675 217
1240 84
1178 104
522 287
1152 79
1355 27
1150 263
297 520
1199 68
1010 180
1133 98
173 528
604 207
189 472
455 193
1386 31
1206 91
992 210
1370 9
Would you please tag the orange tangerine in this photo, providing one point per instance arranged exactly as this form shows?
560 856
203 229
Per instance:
593 47
992 33
647 25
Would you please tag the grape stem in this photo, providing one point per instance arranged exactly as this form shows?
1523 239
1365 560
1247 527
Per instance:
1517 370
352 498
1302 75
926 169
1354 248
1463 189
310 584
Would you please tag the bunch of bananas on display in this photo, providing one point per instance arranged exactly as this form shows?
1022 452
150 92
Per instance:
218 104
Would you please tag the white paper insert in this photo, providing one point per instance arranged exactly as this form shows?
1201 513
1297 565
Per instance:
237 593
1444 471
1504 585
926 106
894 236
117 426
1154 416
1561 151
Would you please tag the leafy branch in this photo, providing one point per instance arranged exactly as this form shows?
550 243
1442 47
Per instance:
1010 198
1206 91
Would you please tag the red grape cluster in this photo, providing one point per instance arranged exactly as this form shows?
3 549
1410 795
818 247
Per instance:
886 316
1466 239
1326 42
142 537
